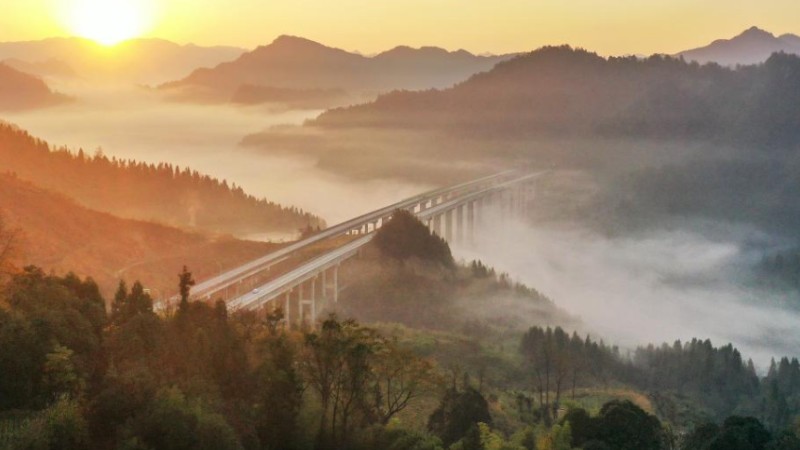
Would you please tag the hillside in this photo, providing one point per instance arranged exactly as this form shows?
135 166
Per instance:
129 189
559 91
296 63
19 90
753 46
60 235
139 61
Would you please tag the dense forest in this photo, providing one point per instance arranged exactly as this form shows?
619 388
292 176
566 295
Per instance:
84 376
155 192
75 374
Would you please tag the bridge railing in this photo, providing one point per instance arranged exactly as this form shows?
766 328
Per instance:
285 283
206 288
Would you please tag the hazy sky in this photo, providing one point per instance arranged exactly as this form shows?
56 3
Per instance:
606 26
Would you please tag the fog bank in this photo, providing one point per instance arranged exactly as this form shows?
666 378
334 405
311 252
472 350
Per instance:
129 122
650 288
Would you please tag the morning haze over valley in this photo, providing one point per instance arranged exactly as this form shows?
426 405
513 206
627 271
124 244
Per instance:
402 225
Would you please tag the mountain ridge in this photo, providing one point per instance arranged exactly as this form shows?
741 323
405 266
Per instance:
752 46
292 62
138 61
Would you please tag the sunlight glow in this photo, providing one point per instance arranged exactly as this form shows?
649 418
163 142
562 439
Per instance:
108 21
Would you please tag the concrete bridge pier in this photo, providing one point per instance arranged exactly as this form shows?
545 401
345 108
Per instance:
330 284
437 225
287 303
460 225
471 222
308 302
448 225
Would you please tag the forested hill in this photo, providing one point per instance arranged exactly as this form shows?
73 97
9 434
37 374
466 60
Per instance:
19 90
58 235
564 92
162 193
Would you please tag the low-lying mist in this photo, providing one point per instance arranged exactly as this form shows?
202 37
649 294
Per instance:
652 287
134 123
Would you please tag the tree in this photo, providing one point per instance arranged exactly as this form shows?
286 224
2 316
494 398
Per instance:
62 312
9 250
700 437
61 426
741 433
405 237
20 370
582 426
185 283
173 422
60 376
127 305
399 377
624 426
279 393
336 362
457 412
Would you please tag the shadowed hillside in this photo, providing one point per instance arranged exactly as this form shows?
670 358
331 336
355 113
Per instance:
19 90
60 235
562 92
130 189
753 46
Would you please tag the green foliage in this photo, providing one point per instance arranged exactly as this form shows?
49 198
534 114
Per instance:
209 380
172 422
60 376
625 426
128 305
458 411
558 361
405 237
58 322
619 425
20 369
398 439
279 394
59 427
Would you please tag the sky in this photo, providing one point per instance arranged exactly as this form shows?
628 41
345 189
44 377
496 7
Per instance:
494 26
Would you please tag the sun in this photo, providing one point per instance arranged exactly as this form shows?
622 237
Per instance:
108 22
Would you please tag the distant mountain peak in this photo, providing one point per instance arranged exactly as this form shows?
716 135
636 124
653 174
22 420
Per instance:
756 33
289 41
752 46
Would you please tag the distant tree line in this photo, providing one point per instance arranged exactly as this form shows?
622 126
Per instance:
717 379
781 268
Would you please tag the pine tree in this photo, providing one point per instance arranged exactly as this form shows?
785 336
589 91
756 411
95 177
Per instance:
185 284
